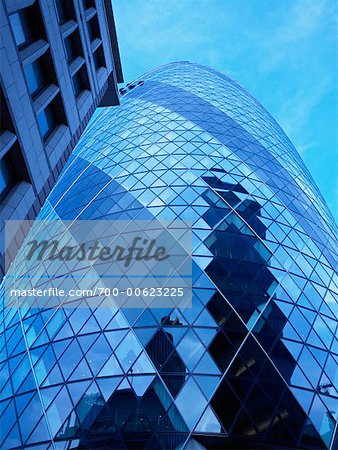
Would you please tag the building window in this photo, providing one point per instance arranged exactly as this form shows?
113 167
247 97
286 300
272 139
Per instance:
77 84
36 77
80 81
6 176
12 163
89 4
70 48
12 169
5 118
65 10
21 28
40 73
47 121
51 117
93 29
98 58
27 25
73 46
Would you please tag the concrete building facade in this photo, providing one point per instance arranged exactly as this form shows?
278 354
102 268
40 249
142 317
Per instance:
59 61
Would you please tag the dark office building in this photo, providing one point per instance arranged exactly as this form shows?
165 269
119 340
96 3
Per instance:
253 364
59 61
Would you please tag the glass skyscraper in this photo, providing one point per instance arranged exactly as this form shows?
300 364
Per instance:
254 362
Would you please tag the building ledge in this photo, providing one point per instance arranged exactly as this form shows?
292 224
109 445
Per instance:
68 27
56 143
45 97
76 65
7 139
17 202
14 5
90 13
33 51
95 44
84 102
101 75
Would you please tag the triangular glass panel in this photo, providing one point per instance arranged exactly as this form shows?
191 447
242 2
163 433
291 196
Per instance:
98 354
29 420
60 346
112 367
103 316
298 379
141 383
207 366
78 318
127 351
48 395
206 335
81 372
205 320
54 377
207 384
108 386
144 334
21 402
117 322
191 349
115 337
13 439
131 314
28 384
190 390
86 341
40 433
175 333
76 390
142 365
91 326
294 347
65 332
208 423
146 319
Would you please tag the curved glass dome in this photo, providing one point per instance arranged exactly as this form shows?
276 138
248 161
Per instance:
254 362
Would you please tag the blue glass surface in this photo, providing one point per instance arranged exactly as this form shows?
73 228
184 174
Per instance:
254 361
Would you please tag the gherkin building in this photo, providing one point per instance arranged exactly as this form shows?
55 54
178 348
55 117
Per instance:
253 363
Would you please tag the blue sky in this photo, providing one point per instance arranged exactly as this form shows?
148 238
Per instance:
285 52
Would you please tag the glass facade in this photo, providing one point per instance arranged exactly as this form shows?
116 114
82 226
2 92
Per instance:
254 362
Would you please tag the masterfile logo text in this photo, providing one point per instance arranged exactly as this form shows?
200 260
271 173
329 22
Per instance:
101 263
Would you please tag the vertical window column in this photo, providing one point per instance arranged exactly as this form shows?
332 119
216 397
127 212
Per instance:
73 47
94 34
12 164
38 67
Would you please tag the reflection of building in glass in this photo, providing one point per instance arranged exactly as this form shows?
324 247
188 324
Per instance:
254 362
166 359
129 411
